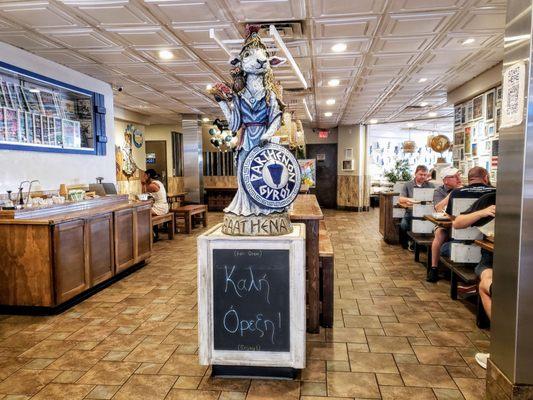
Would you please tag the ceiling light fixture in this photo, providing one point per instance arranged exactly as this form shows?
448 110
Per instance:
328 114
309 116
35 91
469 40
205 119
330 102
334 82
165 55
209 87
279 41
339 47
373 121
422 80
423 104
432 114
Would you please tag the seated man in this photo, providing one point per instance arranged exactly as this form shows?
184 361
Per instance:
480 213
451 180
406 196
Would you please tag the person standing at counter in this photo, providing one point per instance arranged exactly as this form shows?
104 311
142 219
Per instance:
406 197
151 185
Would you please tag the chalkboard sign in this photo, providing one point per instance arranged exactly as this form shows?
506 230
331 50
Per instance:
251 300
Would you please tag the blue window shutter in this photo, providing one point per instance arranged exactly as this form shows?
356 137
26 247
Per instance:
100 136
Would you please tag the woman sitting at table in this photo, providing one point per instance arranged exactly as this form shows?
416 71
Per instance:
151 185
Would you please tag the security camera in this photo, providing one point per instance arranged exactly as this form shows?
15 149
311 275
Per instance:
120 88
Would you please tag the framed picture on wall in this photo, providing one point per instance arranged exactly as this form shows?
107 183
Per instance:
458 114
477 104
469 111
489 105
347 165
459 138
490 130
468 140
463 114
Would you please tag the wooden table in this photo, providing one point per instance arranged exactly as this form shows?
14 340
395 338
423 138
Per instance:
306 209
175 200
187 212
486 244
388 227
443 223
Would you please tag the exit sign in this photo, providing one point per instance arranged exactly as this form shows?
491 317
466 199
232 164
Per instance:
323 134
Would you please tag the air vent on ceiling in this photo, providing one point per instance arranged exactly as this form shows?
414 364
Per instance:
287 29
414 108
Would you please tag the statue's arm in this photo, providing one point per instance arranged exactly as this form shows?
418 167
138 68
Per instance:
232 114
274 118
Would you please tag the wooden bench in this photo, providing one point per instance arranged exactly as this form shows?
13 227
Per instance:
422 240
326 273
165 219
465 273
190 212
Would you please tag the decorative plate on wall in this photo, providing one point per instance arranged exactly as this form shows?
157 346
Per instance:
138 138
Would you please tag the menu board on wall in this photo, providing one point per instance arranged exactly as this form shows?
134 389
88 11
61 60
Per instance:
38 114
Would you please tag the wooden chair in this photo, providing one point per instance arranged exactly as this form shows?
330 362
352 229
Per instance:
189 213
422 240
165 219
326 273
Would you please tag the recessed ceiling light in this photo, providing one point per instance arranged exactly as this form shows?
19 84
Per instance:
165 55
432 114
373 121
469 40
209 87
35 91
328 114
422 80
339 47
205 119
334 82
330 102
423 104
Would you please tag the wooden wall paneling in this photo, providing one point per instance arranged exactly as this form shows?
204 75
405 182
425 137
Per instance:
143 232
71 271
26 273
124 239
100 255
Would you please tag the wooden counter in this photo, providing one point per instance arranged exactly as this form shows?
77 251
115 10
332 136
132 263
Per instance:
51 255
306 209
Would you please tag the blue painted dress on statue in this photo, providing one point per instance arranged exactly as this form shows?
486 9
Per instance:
255 117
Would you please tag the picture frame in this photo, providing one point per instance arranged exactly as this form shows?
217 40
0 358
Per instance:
5 91
3 137
490 130
347 165
468 140
490 102
348 153
458 114
30 131
477 107
459 137
463 114
11 119
38 128
469 111
474 150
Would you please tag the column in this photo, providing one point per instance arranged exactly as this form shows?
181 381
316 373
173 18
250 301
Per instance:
510 369
353 183
192 158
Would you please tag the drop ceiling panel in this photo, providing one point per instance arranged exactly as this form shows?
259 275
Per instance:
398 45
187 13
328 8
426 5
111 56
345 28
38 14
353 46
416 24
200 34
114 14
149 36
267 10
86 38
66 57
484 20
27 40
338 62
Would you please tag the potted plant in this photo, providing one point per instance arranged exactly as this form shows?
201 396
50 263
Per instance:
400 173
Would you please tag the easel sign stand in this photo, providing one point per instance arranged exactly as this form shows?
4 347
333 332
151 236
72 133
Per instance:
251 267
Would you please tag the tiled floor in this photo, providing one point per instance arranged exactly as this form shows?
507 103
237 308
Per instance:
395 337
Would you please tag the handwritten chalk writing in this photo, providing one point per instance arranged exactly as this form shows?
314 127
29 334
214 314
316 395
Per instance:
235 325
242 347
243 286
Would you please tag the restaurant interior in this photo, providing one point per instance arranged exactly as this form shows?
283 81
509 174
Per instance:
400 136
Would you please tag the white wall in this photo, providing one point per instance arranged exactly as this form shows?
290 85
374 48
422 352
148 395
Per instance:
52 169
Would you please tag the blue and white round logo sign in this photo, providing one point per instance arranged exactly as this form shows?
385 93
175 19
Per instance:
271 176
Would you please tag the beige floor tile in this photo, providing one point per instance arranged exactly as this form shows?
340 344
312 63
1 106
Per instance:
263 390
373 362
448 394
446 338
145 387
472 389
188 382
27 382
183 364
182 394
327 351
352 384
78 360
63 391
385 344
389 379
109 373
406 393
151 353
103 392
403 329
426 376
347 335
439 355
